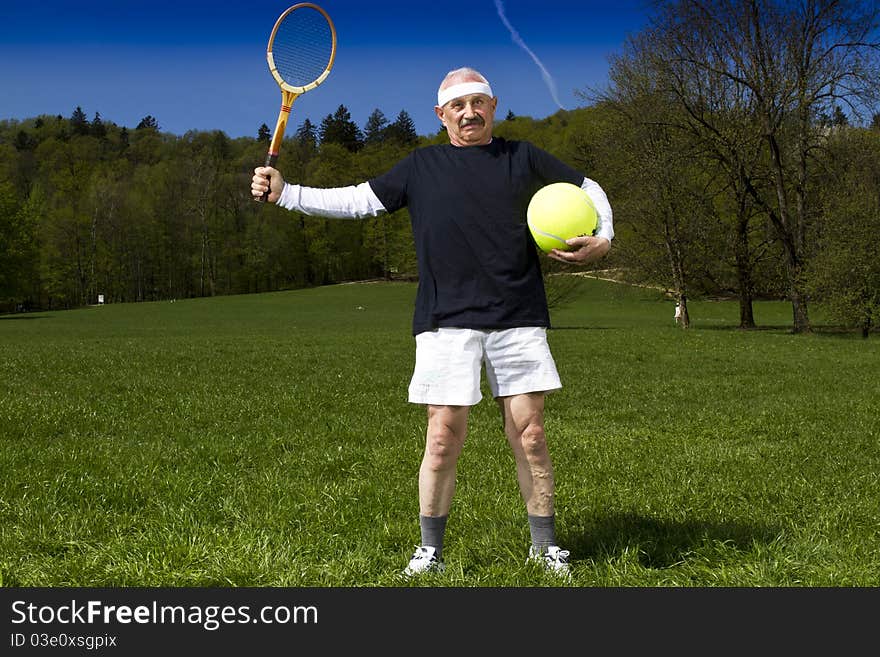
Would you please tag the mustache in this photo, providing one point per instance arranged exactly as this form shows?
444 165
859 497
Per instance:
472 121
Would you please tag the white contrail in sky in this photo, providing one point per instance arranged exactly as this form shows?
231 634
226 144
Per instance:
517 39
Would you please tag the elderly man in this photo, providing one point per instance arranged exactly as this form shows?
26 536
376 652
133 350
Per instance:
480 302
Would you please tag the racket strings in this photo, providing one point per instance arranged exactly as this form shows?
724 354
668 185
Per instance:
302 47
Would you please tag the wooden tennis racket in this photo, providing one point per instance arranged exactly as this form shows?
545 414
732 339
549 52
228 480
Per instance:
300 54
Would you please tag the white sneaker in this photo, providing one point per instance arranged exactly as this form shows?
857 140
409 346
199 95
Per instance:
552 558
424 560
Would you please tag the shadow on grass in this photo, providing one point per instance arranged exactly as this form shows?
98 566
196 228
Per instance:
2 317
778 328
824 330
661 543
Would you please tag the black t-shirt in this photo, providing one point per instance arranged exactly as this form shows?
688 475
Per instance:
478 264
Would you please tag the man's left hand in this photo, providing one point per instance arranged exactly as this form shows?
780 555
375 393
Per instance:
584 250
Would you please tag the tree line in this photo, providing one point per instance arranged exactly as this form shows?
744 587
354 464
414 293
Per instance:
736 140
91 208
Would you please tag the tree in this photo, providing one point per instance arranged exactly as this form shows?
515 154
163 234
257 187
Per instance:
145 145
645 90
673 213
11 239
64 229
149 122
844 273
374 129
24 141
306 135
403 130
19 255
79 124
98 129
264 134
338 128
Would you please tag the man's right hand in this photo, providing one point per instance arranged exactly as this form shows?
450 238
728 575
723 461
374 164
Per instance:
267 178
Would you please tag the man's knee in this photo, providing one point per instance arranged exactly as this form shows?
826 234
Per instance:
534 440
445 437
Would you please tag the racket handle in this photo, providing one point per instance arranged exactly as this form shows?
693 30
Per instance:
271 159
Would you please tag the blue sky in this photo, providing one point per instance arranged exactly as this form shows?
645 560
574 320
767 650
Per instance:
202 66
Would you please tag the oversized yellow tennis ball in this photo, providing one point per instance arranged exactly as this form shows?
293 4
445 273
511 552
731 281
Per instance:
558 212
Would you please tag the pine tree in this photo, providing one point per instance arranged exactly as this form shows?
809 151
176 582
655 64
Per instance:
264 134
306 134
98 129
148 122
374 130
24 141
403 130
79 124
340 129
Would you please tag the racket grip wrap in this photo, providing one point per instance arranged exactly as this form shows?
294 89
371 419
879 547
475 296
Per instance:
271 159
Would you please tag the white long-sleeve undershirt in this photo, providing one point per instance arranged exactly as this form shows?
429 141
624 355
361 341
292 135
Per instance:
353 202
605 226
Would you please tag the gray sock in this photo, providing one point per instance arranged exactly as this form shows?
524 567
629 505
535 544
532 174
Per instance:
543 530
433 528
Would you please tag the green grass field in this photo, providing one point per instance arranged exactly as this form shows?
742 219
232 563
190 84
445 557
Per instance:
266 440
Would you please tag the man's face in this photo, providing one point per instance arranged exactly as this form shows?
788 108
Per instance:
468 119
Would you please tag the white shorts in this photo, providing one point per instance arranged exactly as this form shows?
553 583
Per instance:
449 361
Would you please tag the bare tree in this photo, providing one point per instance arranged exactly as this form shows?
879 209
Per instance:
672 214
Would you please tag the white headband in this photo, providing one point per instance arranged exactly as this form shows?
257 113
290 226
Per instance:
462 89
